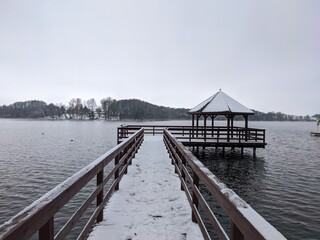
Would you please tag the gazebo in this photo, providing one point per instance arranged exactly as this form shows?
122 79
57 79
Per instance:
209 135
220 104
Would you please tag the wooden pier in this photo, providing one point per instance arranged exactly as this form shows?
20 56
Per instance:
195 179
149 203
218 137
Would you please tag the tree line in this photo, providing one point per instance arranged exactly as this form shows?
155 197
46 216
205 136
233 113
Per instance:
278 116
108 109
112 109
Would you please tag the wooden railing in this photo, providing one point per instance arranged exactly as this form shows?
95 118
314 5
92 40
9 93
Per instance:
39 216
219 134
124 131
246 223
185 134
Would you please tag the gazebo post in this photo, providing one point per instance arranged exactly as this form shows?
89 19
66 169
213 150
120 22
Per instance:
212 124
205 126
198 116
192 125
232 117
228 128
246 126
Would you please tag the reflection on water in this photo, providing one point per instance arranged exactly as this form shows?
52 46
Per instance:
282 183
36 156
242 173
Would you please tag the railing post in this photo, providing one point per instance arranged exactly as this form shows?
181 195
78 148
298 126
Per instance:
246 134
235 233
175 162
100 195
183 175
126 160
205 134
46 232
116 174
194 196
171 152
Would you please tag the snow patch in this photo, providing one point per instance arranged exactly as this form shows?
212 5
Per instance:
265 228
234 198
149 203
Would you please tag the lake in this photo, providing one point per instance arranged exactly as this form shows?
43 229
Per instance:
282 183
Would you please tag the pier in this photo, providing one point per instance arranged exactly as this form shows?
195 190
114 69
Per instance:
149 203
217 137
143 185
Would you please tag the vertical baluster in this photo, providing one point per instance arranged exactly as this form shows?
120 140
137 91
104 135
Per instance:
116 174
175 161
183 175
126 149
235 233
100 195
194 196
46 232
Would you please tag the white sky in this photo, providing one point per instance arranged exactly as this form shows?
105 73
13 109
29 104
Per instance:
265 54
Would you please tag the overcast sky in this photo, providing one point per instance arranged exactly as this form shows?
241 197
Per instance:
265 54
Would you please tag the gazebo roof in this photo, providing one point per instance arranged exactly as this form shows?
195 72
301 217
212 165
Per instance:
220 104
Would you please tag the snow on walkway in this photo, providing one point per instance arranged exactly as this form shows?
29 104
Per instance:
149 204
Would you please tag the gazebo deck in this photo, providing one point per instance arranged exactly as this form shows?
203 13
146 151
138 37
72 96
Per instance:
224 137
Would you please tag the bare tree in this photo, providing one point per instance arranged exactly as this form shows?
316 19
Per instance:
105 103
91 104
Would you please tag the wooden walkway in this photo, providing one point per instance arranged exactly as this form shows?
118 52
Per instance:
149 203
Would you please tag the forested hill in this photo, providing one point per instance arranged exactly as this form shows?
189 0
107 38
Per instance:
78 109
137 109
31 109
112 109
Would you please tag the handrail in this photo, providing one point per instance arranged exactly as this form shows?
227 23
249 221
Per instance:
39 216
124 131
189 134
246 223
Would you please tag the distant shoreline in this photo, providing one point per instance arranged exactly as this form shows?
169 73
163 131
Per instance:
143 120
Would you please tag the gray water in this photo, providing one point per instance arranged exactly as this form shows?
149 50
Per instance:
282 183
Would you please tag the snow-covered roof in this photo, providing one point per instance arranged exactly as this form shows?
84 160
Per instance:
220 103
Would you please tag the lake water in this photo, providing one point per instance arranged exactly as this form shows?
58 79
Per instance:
282 183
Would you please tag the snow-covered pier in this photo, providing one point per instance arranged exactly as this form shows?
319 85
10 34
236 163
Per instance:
156 190
149 203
